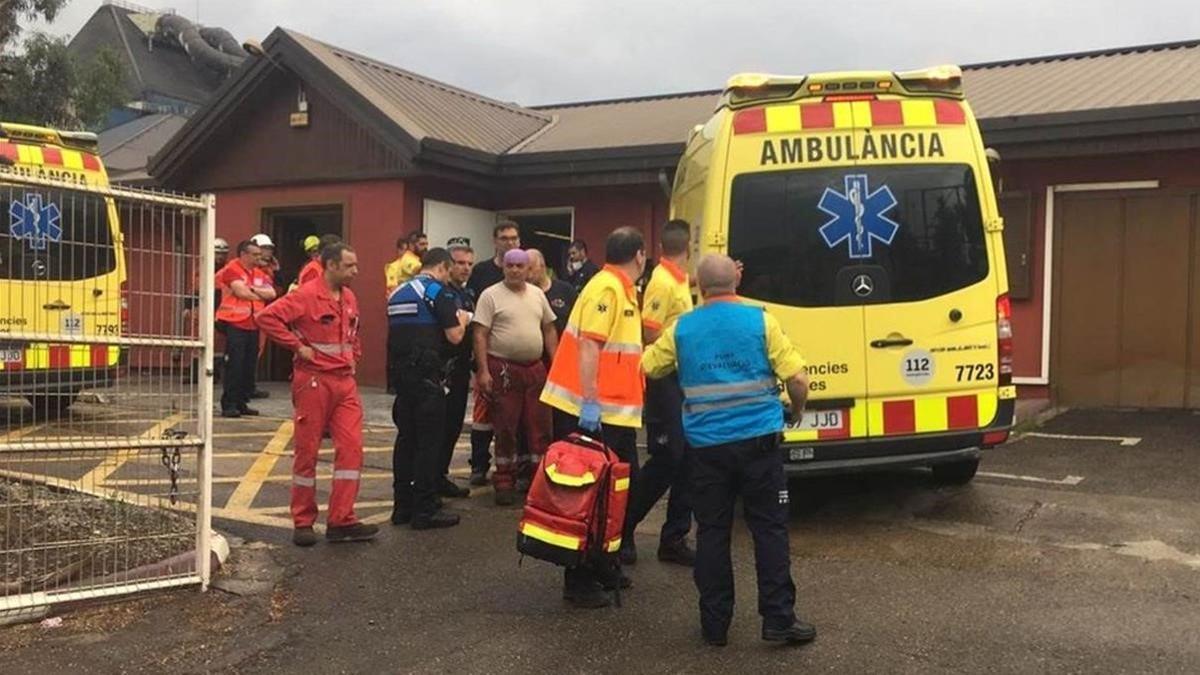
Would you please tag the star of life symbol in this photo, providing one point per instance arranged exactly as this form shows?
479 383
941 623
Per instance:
37 222
859 216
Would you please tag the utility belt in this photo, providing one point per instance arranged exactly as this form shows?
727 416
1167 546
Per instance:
424 367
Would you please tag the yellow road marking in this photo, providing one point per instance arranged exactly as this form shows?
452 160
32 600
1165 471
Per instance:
21 432
249 484
116 459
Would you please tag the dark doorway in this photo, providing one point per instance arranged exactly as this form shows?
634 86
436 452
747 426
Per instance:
288 227
549 233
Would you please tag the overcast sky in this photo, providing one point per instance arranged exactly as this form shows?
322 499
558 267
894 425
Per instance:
565 50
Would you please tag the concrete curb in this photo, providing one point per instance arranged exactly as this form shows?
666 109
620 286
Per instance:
181 563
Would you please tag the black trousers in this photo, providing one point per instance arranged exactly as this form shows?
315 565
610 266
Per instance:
456 409
753 469
623 441
419 412
666 467
241 359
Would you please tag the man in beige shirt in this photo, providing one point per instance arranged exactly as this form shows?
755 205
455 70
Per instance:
514 329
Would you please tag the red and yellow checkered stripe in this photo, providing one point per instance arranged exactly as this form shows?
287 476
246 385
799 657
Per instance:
57 357
824 116
49 155
907 416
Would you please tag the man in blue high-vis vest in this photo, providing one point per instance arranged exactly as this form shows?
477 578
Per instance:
730 358
424 322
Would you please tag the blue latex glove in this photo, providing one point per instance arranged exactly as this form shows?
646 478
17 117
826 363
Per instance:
589 416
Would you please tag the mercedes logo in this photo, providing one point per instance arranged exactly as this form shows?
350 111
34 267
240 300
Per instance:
862 285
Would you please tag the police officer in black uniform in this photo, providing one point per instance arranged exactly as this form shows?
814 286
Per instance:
461 363
424 323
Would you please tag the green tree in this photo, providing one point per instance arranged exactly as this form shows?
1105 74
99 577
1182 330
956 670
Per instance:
43 84
11 11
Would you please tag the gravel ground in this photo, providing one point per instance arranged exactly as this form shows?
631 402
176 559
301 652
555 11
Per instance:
51 538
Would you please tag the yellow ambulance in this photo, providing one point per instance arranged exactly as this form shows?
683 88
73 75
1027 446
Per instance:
62 271
861 205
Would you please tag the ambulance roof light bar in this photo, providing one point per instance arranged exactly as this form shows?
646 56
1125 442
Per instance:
745 88
945 79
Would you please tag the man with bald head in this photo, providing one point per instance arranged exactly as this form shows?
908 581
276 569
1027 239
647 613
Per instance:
514 330
730 358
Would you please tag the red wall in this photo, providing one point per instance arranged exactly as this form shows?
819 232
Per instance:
373 214
1171 169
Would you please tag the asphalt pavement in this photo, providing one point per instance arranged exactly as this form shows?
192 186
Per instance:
1074 550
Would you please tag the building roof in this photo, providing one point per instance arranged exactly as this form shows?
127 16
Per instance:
426 108
126 148
1067 83
150 70
1037 102
649 120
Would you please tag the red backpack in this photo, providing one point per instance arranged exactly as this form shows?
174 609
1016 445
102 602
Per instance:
575 509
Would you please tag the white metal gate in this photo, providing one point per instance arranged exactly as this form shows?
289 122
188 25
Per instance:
106 300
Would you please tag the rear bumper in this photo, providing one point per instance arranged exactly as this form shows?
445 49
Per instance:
24 382
834 457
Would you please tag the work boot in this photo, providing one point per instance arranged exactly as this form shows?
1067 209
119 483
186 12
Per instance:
247 411
449 488
716 640
304 536
231 413
505 497
586 598
259 393
796 634
355 532
479 478
628 553
677 552
438 520
610 580
401 516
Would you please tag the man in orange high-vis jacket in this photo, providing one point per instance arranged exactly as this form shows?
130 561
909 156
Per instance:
243 294
319 322
596 378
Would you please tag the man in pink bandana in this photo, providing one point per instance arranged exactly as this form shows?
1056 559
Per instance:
514 329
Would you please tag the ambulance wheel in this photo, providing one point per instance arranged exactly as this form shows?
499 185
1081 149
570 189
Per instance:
955 473
51 406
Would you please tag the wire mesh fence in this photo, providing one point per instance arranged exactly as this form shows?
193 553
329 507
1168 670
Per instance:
105 390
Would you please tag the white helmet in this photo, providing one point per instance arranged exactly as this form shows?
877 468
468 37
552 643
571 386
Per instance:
262 241
220 245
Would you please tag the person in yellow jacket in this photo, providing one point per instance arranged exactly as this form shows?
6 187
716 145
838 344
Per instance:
408 263
595 378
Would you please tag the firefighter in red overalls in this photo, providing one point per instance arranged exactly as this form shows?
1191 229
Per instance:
319 322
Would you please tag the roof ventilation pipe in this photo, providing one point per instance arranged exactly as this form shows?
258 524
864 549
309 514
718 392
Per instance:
222 40
179 29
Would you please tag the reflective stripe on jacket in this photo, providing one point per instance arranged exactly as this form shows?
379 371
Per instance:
730 391
412 303
312 317
620 386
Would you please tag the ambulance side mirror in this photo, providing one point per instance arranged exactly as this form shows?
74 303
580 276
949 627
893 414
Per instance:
993 160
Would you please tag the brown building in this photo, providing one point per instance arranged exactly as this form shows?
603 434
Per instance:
1099 189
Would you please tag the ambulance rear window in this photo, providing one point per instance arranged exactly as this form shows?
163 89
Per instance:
801 233
53 235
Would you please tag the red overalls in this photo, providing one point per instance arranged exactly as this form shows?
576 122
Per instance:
324 394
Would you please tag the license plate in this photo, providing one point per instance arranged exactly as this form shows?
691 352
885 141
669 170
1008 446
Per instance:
11 355
800 454
819 420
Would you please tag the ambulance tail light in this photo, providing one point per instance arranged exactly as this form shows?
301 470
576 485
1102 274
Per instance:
1004 339
124 308
993 438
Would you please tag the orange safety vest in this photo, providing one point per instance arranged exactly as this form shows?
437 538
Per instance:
234 310
620 386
